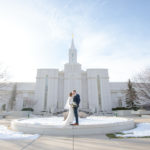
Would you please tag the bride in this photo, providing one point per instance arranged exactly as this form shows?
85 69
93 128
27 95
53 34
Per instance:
70 117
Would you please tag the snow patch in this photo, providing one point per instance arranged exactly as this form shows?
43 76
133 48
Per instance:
142 130
6 134
58 121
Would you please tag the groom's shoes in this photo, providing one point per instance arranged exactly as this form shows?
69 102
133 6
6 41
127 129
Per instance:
75 124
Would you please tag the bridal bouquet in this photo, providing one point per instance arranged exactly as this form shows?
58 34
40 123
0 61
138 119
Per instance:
74 104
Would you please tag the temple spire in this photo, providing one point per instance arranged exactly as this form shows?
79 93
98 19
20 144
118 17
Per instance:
72 42
72 53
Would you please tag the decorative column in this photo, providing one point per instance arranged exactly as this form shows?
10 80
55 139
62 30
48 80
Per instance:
84 92
52 90
60 102
39 91
105 95
92 91
46 90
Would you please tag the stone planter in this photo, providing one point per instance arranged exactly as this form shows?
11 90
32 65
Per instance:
1 116
26 113
122 112
140 112
20 113
82 129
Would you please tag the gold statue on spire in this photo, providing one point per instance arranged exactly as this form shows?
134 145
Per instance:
72 42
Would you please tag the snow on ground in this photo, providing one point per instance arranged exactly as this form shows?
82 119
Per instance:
6 134
142 130
57 121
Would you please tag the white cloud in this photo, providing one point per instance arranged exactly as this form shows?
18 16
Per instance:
37 34
100 50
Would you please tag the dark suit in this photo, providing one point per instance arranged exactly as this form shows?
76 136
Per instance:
76 99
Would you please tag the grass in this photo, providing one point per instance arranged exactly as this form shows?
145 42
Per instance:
113 135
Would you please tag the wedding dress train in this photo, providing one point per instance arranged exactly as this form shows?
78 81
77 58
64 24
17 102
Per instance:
70 117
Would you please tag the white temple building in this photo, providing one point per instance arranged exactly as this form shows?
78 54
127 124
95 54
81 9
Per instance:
52 88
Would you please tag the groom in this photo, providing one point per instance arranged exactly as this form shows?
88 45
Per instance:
76 99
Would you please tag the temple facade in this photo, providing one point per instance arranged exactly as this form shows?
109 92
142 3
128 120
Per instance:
52 87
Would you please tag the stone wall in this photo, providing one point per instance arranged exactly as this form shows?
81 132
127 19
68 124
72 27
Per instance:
94 95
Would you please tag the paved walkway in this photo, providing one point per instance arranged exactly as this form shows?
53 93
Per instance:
95 142
99 142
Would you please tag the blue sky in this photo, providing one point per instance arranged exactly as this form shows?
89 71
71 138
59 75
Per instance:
113 34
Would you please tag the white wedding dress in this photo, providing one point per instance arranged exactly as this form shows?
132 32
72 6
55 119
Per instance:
70 117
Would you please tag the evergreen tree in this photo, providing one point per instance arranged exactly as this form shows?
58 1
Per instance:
12 99
131 95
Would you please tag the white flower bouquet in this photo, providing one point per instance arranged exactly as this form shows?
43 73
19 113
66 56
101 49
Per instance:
74 104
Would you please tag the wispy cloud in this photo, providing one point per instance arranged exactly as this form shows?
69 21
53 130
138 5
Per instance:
108 34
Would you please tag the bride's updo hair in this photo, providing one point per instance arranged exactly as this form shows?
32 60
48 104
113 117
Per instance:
70 94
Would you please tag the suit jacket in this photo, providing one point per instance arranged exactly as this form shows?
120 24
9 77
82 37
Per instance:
76 99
